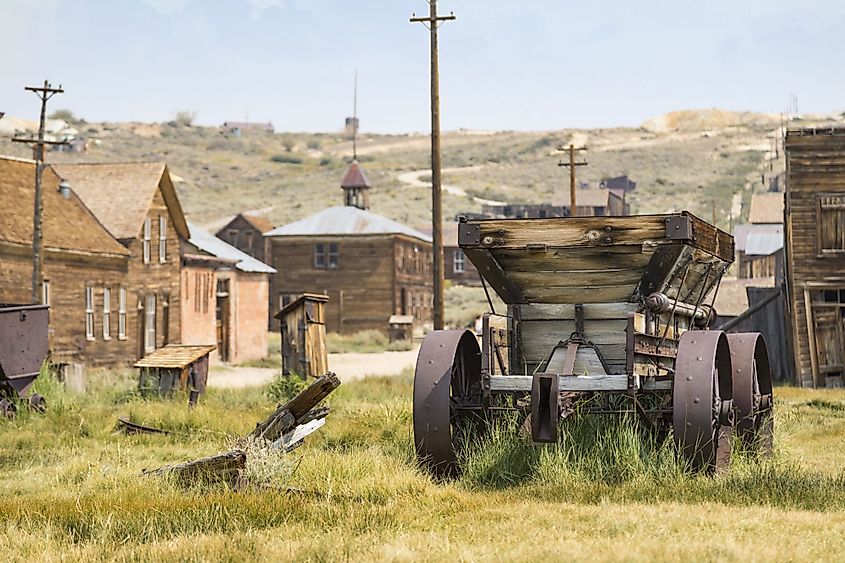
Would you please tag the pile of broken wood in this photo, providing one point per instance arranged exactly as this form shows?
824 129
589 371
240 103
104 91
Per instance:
285 429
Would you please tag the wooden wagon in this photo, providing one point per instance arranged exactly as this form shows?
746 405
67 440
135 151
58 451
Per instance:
604 315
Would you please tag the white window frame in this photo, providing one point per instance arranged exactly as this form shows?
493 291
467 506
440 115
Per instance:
332 255
162 239
89 312
45 292
149 327
147 234
121 313
320 255
458 264
106 313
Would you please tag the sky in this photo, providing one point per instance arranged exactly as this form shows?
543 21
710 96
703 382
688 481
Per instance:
517 65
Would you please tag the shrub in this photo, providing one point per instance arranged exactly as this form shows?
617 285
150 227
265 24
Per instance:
185 118
286 159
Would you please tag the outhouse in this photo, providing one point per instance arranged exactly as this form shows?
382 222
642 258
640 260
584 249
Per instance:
303 327
175 367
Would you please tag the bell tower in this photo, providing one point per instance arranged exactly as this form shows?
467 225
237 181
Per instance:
356 187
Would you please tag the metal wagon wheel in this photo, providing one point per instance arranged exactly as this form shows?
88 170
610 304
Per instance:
447 398
37 403
752 391
7 408
702 393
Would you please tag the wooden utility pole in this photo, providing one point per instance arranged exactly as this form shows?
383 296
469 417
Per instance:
431 22
572 149
44 93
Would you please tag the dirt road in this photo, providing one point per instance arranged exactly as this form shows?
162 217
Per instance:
348 367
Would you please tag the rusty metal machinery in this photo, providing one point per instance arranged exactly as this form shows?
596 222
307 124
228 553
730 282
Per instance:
23 351
606 315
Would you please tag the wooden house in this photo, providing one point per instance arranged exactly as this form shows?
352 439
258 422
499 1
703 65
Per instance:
244 232
457 268
590 202
138 206
371 267
84 268
759 251
815 253
225 298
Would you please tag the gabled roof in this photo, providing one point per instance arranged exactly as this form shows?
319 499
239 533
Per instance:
766 208
261 224
207 242
345 220
120 193
355 177
67 225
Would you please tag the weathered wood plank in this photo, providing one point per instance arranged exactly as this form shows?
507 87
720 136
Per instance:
562 311
508 383
287 416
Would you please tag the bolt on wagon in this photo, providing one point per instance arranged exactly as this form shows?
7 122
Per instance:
605 315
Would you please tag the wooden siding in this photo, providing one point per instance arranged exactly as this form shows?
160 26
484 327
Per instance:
815 165
238 232
364 290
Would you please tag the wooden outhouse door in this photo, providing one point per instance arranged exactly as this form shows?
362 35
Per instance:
828 312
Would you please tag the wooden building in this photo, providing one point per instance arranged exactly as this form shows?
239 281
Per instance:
244 232
371 267
759 251
815 253
138 206
590 202
84 268
303 332
457 268
225 297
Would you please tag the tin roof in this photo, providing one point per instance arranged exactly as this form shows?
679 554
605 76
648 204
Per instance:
763 244
120 193
174 356
766 208
345 220
742 232
355 177
207 242
68 225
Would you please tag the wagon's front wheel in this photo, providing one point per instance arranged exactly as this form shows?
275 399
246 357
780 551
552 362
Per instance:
447 398
702 406
752 391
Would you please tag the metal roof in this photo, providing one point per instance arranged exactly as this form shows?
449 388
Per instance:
345 220
221 249
763 244
741 232
355 177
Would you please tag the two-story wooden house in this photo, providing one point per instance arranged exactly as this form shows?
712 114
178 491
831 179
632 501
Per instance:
815 253
138 206
371 267
244 232
84 269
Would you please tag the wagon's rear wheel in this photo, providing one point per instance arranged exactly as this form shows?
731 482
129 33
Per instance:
7 408
447 398
702 412
37 403
752 391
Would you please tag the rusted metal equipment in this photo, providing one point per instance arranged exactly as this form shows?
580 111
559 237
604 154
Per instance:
23 350
303 326
175 367
606 315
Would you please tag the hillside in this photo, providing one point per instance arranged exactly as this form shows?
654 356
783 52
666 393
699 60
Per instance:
689 160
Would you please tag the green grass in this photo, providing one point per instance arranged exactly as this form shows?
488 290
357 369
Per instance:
72 488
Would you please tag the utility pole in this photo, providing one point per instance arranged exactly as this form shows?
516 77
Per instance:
572 149
44 93
431 22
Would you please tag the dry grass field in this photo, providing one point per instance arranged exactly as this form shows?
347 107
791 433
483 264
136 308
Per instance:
72 489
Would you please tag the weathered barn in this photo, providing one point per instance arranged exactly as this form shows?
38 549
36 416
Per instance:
244 232
815 253
759 251
138 206
225 297
84 268
371 267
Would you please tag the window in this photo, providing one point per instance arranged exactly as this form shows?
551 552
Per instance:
106 313
121 313
233 237
162 239
150 324
147 234
458 261
89 313
830 224
45 292
248 236
326 255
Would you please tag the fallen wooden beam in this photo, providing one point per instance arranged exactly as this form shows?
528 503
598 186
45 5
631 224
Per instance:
286 417
221 468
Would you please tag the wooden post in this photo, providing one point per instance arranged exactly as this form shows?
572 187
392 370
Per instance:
436 196
573 209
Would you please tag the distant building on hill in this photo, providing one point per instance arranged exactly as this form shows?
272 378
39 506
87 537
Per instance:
238 127
370 267
591 202
618 183
350 127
